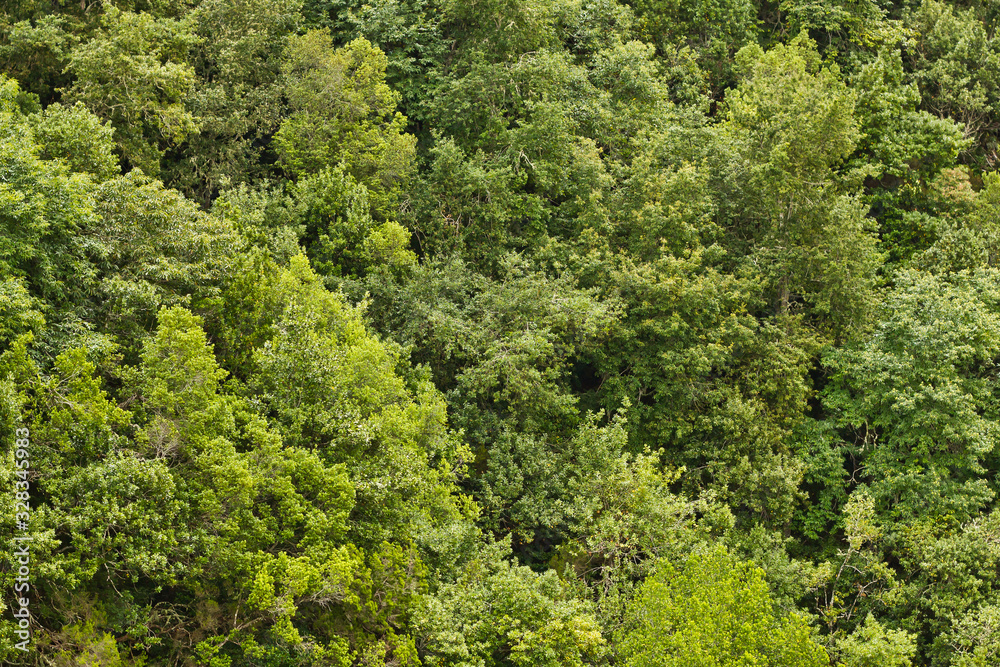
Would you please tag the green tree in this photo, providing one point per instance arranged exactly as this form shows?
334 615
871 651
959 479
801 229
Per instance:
874 645
237 95
152 247
732 418
134 72
906 149
339 234
34 45
44 216
967 233
954 61
714 610
791 125
75 135
498 614
342 112
918 398
714 30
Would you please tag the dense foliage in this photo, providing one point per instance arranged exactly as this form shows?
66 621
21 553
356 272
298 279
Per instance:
498 333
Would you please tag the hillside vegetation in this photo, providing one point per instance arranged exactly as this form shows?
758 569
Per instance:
501 333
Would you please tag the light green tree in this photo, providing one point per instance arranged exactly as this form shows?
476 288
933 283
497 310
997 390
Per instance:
342 112
713 610
497 614
45 214
874 645
78 137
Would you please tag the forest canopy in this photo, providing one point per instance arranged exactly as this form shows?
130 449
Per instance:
500 333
